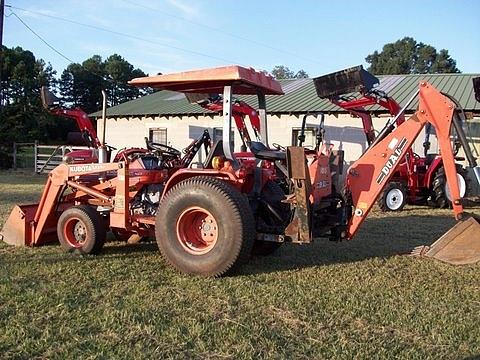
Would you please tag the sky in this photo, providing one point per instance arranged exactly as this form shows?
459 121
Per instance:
174 35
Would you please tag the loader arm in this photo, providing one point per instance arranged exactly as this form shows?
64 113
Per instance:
83 122
52 104
240 110
368 176
356 107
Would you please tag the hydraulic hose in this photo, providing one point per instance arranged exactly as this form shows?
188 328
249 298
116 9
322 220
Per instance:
457 123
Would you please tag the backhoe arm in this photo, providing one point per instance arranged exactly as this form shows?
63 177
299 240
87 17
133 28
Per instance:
368 176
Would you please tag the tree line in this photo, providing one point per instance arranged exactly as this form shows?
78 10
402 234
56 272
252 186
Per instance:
22 118
80 85
404 56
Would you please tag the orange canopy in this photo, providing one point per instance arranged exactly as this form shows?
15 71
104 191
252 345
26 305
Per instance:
245 81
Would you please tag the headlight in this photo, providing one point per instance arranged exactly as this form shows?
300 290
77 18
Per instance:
218 162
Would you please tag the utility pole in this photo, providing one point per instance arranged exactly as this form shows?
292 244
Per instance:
2 10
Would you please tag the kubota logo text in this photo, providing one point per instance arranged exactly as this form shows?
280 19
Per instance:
86 168
392 160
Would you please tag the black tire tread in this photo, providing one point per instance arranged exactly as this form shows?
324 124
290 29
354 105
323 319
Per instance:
242 216
97 224
439 196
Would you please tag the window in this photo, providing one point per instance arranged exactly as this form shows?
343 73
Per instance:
158 135
218 135
310 133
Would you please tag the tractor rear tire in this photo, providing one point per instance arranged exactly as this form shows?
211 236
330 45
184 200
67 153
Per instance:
205 226
272 194
439 192
81 229
393 197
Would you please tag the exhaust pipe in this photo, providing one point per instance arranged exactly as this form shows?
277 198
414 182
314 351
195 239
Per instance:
102 150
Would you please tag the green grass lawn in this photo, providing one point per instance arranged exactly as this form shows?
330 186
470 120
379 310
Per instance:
358 299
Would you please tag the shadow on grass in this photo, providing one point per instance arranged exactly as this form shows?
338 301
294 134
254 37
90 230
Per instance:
381 237
120 248
51 253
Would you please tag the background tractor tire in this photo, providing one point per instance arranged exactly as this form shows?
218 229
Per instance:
205 226
271 196
81 229
393 197
439 187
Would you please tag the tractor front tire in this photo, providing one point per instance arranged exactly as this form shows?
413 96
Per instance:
205 226
81 229
439 187
393 197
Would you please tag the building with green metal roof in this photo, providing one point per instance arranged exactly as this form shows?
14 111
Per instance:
167 117
300 97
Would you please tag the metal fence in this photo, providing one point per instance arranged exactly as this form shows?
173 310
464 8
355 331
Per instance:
24 155
40 158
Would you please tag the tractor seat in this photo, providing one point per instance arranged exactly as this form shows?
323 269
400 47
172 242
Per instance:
262 152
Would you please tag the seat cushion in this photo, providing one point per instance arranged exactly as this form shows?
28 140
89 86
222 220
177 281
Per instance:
262 152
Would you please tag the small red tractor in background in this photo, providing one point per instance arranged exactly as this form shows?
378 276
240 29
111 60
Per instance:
89 136
96 149
209 220
418 180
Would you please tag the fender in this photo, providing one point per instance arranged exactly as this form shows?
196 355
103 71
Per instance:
184 174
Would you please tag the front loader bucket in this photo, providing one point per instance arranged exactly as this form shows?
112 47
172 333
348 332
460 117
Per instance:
354 79
18 229
459 246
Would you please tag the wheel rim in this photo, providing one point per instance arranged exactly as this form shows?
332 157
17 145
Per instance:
461 184
394 199
75 232
197 230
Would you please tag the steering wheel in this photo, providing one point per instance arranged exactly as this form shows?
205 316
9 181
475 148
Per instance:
279 147
163 149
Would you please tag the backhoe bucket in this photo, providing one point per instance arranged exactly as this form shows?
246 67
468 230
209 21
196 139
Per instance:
459 246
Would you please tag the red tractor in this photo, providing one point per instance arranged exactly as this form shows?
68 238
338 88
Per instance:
418 180
209 220
96 149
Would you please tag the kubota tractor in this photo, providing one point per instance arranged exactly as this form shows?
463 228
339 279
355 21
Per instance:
208 220
418 180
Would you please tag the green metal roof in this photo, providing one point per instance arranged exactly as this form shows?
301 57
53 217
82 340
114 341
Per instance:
301 97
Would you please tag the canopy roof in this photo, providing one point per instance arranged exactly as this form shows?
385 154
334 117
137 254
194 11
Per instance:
244 81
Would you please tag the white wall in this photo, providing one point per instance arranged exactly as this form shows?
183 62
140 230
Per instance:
342 130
